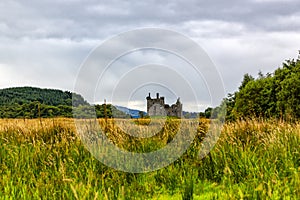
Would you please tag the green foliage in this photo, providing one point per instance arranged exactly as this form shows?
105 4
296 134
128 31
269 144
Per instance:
247 78
109 111
275 95
25 95
28 102
207 113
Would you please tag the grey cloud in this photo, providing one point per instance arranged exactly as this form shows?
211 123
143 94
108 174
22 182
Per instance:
93 19
47 63
43 43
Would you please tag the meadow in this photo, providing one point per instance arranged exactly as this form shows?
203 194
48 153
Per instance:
253 159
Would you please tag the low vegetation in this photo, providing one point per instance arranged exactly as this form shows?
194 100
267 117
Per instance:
252 159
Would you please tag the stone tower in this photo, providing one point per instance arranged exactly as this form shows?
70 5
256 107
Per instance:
157 107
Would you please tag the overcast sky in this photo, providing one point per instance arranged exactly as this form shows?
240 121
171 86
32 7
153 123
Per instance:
44 43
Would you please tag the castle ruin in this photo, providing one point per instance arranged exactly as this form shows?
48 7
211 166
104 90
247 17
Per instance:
157 107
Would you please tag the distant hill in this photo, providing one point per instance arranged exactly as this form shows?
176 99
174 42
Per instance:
132 112
31 102
51 97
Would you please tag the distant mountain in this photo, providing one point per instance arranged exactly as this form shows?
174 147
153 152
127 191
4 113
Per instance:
132 112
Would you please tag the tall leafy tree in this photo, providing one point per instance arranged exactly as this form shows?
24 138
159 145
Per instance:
272 95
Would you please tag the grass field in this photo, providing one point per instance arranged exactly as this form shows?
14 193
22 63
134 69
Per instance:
251 160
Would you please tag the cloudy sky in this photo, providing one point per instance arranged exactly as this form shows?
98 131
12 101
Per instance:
44 43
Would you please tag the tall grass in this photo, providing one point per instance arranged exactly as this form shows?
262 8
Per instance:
253 159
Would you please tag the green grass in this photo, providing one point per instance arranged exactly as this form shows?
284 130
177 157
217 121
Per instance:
252 160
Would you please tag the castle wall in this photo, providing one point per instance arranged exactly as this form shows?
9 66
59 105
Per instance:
157 107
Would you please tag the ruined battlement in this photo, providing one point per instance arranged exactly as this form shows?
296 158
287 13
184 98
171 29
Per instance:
157 107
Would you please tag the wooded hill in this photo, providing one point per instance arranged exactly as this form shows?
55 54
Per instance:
30 102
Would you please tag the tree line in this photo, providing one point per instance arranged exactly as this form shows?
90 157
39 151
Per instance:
271 95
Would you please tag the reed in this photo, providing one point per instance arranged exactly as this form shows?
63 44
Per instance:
253 159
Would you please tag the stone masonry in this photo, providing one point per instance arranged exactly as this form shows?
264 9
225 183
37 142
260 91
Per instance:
157 107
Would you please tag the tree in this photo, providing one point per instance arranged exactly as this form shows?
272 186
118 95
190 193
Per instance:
247 78
274 95
207 112
141 114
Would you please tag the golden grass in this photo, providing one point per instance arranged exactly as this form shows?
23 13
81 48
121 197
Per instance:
253 159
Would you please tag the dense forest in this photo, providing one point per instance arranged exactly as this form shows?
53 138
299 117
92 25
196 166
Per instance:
51 97
274 95
30 102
